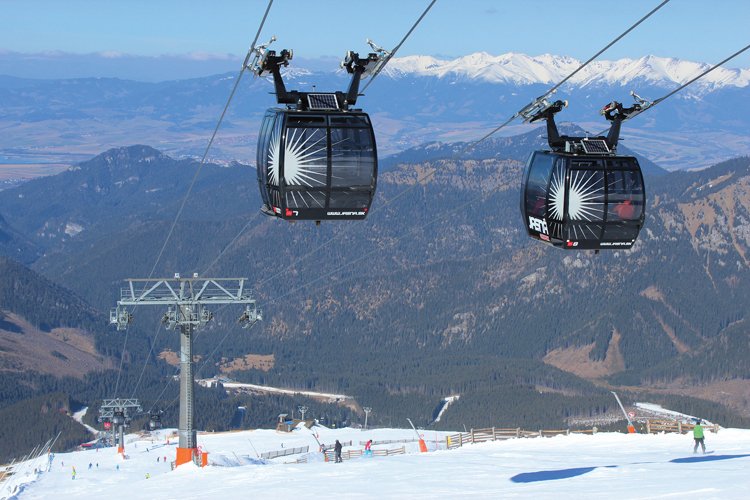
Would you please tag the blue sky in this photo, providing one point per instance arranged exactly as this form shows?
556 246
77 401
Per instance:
688 29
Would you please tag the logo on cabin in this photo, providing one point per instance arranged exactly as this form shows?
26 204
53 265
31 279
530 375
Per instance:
345 214
538 225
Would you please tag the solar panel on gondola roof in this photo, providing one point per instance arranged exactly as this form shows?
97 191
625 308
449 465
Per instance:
322 101
594 146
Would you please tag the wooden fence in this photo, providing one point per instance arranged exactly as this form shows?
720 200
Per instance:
654 426
326 447
497 434
285 452
391 441
349 454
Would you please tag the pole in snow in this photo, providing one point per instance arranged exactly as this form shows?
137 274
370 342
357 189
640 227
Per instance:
631 427
367 411
422 444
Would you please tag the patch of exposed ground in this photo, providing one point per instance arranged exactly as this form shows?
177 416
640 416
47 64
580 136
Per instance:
653 293
170 357
734 393
696 214
681 347
731 393
576 360
719 207
62 352
263 362
75 337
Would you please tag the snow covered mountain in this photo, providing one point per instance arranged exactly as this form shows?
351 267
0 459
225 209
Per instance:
418 99
522 69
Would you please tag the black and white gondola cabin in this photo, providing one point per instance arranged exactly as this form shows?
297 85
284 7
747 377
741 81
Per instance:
580 194
154 421
317 158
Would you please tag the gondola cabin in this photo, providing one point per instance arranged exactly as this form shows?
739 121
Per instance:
154 422
317 158
317 164
581 195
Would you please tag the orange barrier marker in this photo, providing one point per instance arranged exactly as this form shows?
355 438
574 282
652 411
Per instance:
184 455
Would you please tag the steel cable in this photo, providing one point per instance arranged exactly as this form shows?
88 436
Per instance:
195 176
553 89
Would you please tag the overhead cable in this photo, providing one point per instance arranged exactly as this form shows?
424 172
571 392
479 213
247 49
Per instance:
250 52
554 89
395 49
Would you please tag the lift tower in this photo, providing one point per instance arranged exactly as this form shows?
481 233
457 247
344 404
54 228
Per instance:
186 300
117 412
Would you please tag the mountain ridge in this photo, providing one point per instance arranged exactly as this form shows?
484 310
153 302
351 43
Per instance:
519 68
79 118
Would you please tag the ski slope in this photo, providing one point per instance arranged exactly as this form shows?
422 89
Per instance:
605 465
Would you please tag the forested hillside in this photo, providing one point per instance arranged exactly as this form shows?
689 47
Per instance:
438 292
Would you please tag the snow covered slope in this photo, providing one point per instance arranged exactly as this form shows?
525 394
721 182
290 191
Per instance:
605 465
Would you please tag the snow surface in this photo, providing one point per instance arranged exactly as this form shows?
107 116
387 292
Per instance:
78 417
605 465
448 401
521 69
655 409
210 382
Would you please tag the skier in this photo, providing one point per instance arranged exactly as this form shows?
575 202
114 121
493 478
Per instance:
368 447
74 473
698 436
165 459
337 449
90 465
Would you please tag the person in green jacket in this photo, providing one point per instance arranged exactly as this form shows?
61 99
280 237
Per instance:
698 436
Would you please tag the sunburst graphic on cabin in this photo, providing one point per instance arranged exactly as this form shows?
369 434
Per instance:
585 197
305 158
557 193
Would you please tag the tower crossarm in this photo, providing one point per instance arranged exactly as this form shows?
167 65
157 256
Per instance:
185 291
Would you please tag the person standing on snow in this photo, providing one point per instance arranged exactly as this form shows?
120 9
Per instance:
698 436
337 449
368 447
